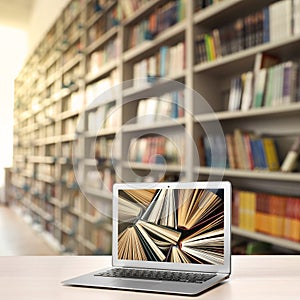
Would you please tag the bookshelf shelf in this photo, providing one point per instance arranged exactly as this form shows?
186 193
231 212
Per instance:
162 38
69 114
71 63
86 243
51 60
265 238
154 89
102 132
58 203
67 137
103 39
153 167
42 159
104 70
281 110
45 178
144 128
214 11
97 192
68 23
256 174
52 79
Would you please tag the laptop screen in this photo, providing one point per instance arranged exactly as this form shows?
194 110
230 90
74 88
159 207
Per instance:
177 225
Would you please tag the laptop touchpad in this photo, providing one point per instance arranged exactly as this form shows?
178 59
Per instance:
136 284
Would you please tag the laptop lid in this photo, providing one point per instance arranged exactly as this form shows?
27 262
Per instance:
172 225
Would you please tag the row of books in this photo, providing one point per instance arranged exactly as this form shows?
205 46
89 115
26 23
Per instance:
99 211
97 6
69 126
157 149
71 32
245 151
161 64
72 10
273 86
50 150
108 53
104 24
129 7
70 221
103 149
72 52
101 238
270 214
201 4
98 88
275 22
169 105
159 20
66 150
38 188
45 115
74 102
68 178
71 77
102 180
106 116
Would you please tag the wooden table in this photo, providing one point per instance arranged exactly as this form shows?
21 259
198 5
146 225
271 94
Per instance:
38 278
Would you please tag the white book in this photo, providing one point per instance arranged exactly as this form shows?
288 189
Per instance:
296 17
280 20
151 110
164 107
248 92
152 67
180 57
141 110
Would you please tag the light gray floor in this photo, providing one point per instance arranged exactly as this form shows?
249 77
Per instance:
18 238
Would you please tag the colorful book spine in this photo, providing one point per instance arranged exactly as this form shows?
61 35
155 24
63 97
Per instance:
274 215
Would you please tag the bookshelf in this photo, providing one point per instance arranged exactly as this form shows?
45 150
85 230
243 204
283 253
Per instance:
89 53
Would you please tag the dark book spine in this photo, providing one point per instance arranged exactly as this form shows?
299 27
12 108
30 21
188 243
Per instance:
266 25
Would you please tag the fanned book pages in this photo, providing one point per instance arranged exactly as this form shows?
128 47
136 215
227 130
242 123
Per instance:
171 225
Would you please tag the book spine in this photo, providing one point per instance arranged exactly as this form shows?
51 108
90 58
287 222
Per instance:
266 25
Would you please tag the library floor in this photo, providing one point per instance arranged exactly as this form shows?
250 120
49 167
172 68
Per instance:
18 238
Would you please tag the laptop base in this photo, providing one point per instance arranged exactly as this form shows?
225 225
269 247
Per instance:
141 285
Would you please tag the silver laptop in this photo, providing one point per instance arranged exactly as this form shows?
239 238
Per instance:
167 238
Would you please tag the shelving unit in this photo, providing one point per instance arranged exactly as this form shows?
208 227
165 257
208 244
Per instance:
59 94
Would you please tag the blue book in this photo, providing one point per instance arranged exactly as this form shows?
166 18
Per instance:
163 60
266 25
174 111
262 154
255 153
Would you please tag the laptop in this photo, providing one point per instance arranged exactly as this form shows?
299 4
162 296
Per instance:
168 237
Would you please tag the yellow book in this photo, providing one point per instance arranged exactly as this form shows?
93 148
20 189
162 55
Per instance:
252 200
271 154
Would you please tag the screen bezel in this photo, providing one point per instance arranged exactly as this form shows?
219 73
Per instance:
224 268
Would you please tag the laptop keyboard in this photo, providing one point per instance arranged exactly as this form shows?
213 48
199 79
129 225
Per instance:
191 277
